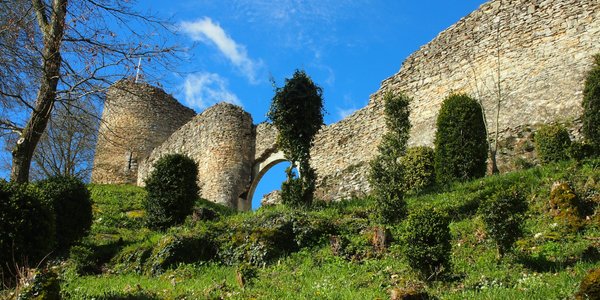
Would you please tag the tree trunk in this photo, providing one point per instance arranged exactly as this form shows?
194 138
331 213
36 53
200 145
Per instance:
52 32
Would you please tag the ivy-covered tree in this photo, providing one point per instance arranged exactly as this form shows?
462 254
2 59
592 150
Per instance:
297 113
387 173
461 146
591 104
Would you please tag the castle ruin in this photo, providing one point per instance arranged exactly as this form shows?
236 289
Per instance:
533 53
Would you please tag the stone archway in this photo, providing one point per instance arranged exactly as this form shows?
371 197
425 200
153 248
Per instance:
259 169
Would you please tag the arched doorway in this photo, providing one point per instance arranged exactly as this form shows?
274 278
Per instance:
259 169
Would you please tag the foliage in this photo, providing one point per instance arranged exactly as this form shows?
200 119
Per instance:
386 171
27 227
552 143
460 140
503 214
590 286
579 151
297 113
591 104
44 285
565 207
175 249
419 169
172 190
427 239
70 199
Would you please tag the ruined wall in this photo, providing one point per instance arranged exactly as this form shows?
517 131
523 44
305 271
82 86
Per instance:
137 117
541 50
221 141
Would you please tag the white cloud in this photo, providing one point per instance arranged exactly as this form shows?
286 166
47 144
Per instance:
202 90
209 32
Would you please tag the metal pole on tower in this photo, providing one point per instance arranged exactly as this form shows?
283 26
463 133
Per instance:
137 73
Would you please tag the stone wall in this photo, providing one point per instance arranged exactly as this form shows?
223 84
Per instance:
137 117
221 140
539 49
532 53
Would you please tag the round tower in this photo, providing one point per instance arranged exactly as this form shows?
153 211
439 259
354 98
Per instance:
137 117
227 146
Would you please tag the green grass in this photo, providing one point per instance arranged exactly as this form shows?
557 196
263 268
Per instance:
546 263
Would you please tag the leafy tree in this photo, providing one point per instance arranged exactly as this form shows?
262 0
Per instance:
591 104
387 173
65 52
460 140
297 113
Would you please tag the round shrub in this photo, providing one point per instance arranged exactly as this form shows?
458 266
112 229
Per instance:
26 226
419 171
461 147
552 143
428 242
591 104
172 191
72 207
502 213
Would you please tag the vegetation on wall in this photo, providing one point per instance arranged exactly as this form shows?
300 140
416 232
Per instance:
460 140
297 113
386 171
552 143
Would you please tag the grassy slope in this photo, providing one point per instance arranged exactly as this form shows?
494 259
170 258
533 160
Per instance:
546 264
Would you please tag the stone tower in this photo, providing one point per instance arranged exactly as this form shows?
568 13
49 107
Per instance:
137 117
222 141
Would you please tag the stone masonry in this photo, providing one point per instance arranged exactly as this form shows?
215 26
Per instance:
137 118
530 54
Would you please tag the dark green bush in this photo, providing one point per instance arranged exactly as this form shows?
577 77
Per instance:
461 147
26 226
428 242
579 151
552 143
591 104
419 170
503 213
72 206
292 192
83 260
172 191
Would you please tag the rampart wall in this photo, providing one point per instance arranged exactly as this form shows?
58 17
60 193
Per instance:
530 54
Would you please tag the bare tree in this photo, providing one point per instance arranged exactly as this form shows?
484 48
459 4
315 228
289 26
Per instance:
67 146
66 52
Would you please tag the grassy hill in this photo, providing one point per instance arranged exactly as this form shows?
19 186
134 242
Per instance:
283 253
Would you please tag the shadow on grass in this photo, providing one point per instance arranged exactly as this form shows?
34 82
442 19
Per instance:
541 263
125 296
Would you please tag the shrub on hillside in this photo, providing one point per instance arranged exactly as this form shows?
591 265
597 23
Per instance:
591 104
461 147
428 242
503 213
72 207
26 227
419 172
386 172
589 288
172 191
565 207
175 249
552 143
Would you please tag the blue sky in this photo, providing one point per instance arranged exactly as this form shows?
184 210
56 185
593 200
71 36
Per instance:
234 48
